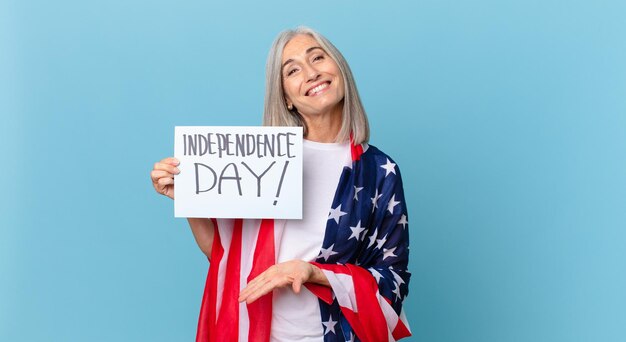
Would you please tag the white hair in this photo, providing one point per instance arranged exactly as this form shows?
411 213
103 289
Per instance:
354 119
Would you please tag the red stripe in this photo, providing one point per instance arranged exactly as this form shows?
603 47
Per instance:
335 268
260 311
322 292
228 317
400 330
207 319
356 150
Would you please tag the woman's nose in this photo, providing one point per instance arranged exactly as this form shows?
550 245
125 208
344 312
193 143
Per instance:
312 74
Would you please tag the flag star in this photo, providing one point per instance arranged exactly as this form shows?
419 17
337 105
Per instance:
381 242
350 337
392 203
397 277
327 252
329 325
356 231
356 192
389 167
376 274
403 221
375 199
336 213
388 253
396 290
373 238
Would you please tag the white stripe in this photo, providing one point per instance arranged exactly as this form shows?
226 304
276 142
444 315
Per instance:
225 228
404 320
390 315
279 228
390 336
343 288
249 234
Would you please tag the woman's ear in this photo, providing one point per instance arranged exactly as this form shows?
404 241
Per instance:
289 104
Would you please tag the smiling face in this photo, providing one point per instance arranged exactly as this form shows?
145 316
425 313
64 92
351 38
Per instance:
312 81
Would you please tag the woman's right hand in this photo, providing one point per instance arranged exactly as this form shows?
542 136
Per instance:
163 176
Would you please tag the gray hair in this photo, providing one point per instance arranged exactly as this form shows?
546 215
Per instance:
354 119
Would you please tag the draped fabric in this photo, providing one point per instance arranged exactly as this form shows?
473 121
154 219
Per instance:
364 256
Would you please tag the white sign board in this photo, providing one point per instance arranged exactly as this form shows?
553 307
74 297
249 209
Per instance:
238 172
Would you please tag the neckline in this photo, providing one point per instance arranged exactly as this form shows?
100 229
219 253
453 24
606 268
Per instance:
325 146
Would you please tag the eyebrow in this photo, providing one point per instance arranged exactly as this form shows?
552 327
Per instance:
306 53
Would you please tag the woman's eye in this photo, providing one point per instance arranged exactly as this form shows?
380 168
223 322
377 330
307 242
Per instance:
319 57
291 72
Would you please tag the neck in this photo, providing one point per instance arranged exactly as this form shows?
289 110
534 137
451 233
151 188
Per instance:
325 127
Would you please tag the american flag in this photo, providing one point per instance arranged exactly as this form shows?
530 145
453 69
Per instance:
364 256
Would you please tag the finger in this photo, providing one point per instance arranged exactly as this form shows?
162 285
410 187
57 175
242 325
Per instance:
265 289
297 284
265 276
252 286
155 175
166 181
166 167
259 281
171 161
243 294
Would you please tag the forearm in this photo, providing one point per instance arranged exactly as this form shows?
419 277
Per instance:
203 231
318 277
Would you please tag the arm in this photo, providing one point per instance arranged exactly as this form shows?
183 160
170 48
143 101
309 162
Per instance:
203 231
162 176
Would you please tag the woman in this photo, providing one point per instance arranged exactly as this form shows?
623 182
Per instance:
350 250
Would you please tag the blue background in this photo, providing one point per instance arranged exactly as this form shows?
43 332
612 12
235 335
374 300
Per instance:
507 118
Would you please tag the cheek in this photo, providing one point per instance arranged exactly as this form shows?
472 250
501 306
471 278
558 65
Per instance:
291 90
339 78
341 87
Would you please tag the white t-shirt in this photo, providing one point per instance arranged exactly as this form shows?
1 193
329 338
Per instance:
293 314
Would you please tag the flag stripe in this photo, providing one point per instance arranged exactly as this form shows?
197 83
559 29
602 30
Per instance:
356 151
228 317
343 287
390 315
208 315
401 330
260 311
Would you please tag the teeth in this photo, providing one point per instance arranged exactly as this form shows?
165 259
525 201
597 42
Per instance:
318 89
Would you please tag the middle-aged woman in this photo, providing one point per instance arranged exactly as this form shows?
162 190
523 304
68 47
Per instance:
340 273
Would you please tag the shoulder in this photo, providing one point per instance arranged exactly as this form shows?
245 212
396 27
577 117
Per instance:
374 156
378 166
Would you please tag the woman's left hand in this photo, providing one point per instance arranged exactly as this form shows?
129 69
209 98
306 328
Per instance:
293 272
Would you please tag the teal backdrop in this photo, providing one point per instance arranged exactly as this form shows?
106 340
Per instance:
507 119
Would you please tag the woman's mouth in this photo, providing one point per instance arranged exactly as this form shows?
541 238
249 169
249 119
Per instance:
317 89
